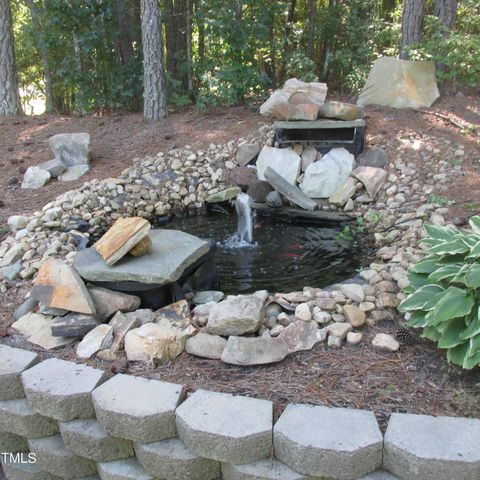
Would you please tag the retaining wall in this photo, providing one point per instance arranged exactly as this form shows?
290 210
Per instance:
77 423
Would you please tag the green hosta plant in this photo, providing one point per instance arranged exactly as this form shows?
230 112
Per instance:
444 292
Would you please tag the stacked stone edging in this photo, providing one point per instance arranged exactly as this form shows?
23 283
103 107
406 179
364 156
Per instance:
130 428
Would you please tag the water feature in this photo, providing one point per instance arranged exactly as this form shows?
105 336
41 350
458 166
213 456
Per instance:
243 207
281 256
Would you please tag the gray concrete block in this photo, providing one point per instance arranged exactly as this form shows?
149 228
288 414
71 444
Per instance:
16 416
137 408
225 427
173 460
25 471
432 448
60 389
330 442
53 457
89 439
380 475
270 469
13 361
128 469
12 443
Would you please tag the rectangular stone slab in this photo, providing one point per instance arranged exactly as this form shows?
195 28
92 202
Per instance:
171 253
293 193
124 234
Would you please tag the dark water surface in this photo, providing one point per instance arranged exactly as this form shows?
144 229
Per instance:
284 257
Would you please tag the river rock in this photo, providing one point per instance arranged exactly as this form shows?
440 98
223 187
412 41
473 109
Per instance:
17 222
341 111
73 325
354 338
206 346
285 161
323 177
373 157
385 342
53 167
303 312
246 152
59 286
373 178
154 344
172 252
71 148
208 296
108 302
242 176
11 272
258 191
274 200
353 291
13 254
100 338
254 350
343 193
73 173
35 177
301 335
354 316
228 194
339 329
236 316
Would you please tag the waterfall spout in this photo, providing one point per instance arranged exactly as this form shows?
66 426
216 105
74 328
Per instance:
243 207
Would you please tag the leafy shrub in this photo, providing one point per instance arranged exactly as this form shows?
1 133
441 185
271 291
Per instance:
444 292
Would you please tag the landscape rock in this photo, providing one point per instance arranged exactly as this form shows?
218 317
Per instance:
35 177
309 155
53 167
343 193
12 255
223 196
269 107
71 148
353 291
208 296
11 272
258 190
236 316
246 152
339 329
291 192
373 178
100 338
301 335
341 111
176 314
108 302
385 342
284 161
242 176
354 338
154 344
73 173
354 316
172 252
305 92
17 222
373 157
303 312
324 177
254 350
274 200
400 83
58 285
73 325
205 345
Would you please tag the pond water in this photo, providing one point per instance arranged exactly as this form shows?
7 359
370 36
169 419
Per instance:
283 257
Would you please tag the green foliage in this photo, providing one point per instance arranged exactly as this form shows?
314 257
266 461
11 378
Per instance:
439 200
444 292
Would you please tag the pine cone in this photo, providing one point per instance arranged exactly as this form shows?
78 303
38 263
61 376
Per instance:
405 337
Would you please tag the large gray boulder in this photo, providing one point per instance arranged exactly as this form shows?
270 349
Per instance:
171 253
236 316
71 148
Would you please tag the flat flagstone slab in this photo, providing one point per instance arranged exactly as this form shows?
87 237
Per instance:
146 415
173 460
89 439
16 416
227 428
171 253
54 458
432 448
13 361
269 469
60 389
128 469
328 442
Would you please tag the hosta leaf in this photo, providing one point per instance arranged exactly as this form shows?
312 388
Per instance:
450 259
418 280
453 303
475 224
475 251
427 265
457 354
431 333
418 319
421 297
460 276
472 278
440 233
470 362
472 329
450 248
474 346
446 272
451 337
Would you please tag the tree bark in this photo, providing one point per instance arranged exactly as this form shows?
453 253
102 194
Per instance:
9 95
154 100
413 12
446 11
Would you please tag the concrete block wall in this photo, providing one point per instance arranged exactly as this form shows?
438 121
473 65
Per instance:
78 424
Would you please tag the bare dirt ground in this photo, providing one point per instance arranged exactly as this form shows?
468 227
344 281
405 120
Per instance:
416 379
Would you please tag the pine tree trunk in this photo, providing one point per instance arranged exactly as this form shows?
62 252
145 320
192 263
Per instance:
413 12
446 11
9 95
154 100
